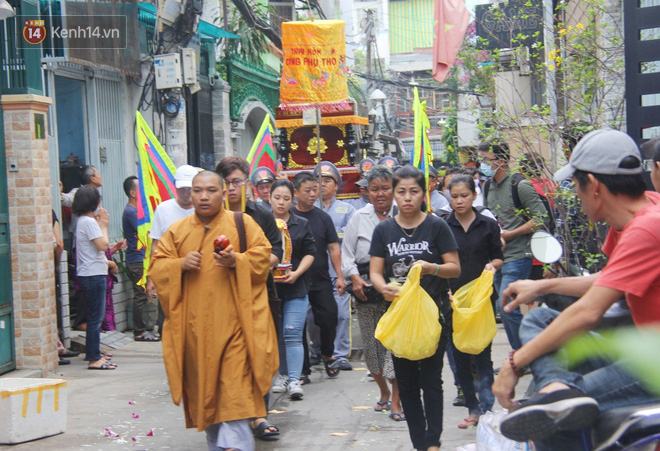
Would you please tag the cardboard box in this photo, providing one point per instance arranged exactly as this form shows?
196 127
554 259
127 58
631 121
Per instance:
31 409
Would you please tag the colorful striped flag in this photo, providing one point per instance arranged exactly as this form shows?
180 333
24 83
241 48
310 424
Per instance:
262 153
422 155
156 184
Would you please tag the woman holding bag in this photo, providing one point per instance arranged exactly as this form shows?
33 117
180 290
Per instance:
293 288
370 304
414 237
479 249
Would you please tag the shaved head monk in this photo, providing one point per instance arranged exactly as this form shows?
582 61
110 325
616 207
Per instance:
219 342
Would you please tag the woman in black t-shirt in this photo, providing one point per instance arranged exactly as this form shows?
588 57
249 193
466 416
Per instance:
480 248
411 237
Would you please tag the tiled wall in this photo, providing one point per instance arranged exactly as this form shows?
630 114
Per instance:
31 232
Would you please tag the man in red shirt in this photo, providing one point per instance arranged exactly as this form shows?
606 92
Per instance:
606 167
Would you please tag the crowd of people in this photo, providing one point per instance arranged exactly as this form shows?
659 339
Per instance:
239 321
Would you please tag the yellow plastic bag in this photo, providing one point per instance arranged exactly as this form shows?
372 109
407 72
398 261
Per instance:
473 319
410 328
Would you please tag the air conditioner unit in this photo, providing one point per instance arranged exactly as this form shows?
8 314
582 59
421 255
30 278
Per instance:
169 10
524 61
507 59
519 58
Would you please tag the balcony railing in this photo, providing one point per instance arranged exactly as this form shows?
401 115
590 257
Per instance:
12 62
20 68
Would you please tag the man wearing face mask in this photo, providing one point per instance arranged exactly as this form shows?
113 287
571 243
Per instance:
517 229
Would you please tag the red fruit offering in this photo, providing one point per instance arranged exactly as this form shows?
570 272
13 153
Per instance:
220 243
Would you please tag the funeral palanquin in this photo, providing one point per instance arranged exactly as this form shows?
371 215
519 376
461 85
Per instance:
338 145
314 77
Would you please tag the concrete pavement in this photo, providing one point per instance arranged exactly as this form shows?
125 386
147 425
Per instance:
116 410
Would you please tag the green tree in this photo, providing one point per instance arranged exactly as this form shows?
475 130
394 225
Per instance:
253 43
584 62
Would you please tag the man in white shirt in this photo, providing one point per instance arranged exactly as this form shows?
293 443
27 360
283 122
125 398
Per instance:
90 176
166 214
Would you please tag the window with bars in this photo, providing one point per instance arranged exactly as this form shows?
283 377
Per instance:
282 11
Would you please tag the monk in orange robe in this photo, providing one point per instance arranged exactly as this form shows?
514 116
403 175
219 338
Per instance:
219 342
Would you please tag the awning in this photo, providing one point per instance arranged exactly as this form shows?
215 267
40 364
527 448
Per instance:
204 29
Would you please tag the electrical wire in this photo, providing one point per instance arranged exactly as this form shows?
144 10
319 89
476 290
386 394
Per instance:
406 84
257 22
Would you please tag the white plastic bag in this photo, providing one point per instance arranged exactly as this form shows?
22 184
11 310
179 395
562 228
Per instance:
489 437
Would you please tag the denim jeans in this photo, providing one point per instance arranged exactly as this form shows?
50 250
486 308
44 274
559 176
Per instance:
605 380
95 287
422 379
510 272
139 298
484 366
294 314
452 363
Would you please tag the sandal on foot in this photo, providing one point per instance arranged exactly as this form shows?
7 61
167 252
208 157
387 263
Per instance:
331 367
468 423
147 337
400 416
383 405
104 366
262 433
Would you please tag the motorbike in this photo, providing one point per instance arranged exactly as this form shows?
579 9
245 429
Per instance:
634 428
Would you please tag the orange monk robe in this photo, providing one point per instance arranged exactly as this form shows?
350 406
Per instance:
219 342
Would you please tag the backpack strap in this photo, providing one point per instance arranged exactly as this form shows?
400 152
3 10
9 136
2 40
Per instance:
485 189
240 226
515 181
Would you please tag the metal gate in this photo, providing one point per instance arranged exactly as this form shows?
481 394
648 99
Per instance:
7 351
110 144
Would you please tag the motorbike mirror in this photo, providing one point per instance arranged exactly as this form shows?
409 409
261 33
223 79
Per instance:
545 247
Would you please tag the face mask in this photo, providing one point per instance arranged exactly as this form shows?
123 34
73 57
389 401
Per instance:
96 212
486 170
447 194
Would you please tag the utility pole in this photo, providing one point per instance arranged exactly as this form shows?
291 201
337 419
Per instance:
551 91
371 37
